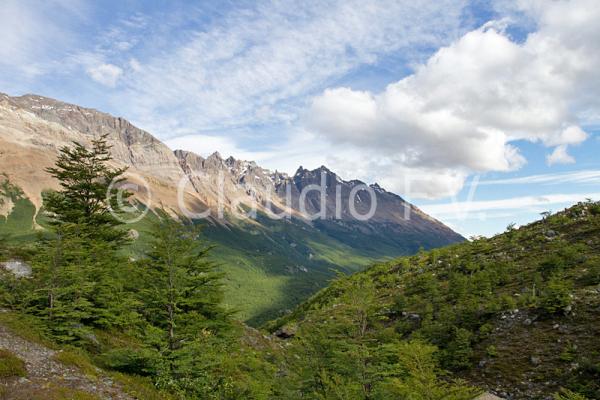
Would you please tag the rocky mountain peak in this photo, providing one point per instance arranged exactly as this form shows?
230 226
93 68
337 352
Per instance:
230 161
50 124
215 156
300 171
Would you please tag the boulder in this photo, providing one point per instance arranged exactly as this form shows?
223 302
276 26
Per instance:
18 268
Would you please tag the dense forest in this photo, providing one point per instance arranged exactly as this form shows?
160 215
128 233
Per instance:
516 314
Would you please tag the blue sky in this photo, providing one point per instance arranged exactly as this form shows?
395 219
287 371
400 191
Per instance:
481 112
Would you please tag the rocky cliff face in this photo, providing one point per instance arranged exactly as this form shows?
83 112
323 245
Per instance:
33 128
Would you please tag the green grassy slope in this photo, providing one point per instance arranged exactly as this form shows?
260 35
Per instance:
517 314
270 266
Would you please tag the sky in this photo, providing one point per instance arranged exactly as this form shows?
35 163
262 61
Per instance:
483 113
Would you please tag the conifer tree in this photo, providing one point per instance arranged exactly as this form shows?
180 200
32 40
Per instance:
78 270
89 190
182 299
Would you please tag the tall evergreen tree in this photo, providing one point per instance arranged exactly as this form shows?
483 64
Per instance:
89 191
183 301
78 269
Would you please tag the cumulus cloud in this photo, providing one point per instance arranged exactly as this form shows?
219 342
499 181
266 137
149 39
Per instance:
105 74
467 107
560 156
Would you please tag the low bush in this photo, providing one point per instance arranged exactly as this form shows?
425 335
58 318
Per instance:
131 361
556 296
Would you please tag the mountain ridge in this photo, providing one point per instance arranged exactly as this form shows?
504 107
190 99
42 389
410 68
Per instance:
149 156
274 252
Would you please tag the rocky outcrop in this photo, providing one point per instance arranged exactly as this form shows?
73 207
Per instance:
18 268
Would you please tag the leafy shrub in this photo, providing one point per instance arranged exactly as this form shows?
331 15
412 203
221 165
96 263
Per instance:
491 351
573 253
508 302
556 296
459 353
485 330
418 378
592 277
131 361
552 265
569 353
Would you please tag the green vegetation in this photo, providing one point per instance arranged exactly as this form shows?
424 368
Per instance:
513 311
53 392
164 308
566 394
517 311
77 358
11 365
17 218
270 266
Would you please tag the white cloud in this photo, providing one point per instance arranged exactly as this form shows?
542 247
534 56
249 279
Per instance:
135 65
571 135
205 145
33 35
105 74
579 177
256 65
462 209
560 156
463 108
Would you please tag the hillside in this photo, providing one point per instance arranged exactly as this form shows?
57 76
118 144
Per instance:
271 264
517 314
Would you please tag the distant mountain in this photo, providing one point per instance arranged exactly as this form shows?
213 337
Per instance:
273 263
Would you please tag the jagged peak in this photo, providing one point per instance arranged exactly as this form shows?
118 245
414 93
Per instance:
80 118
179 153
377 187
215 156
355 182
300 171
303 171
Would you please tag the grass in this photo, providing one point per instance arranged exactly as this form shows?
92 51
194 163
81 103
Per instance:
51 393
140 387
27 327
77 358
11 365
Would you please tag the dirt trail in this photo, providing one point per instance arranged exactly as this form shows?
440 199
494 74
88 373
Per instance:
45 375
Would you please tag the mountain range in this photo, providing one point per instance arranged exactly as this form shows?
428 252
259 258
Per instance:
271 263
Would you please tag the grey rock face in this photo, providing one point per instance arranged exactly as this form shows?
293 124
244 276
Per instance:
18 268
